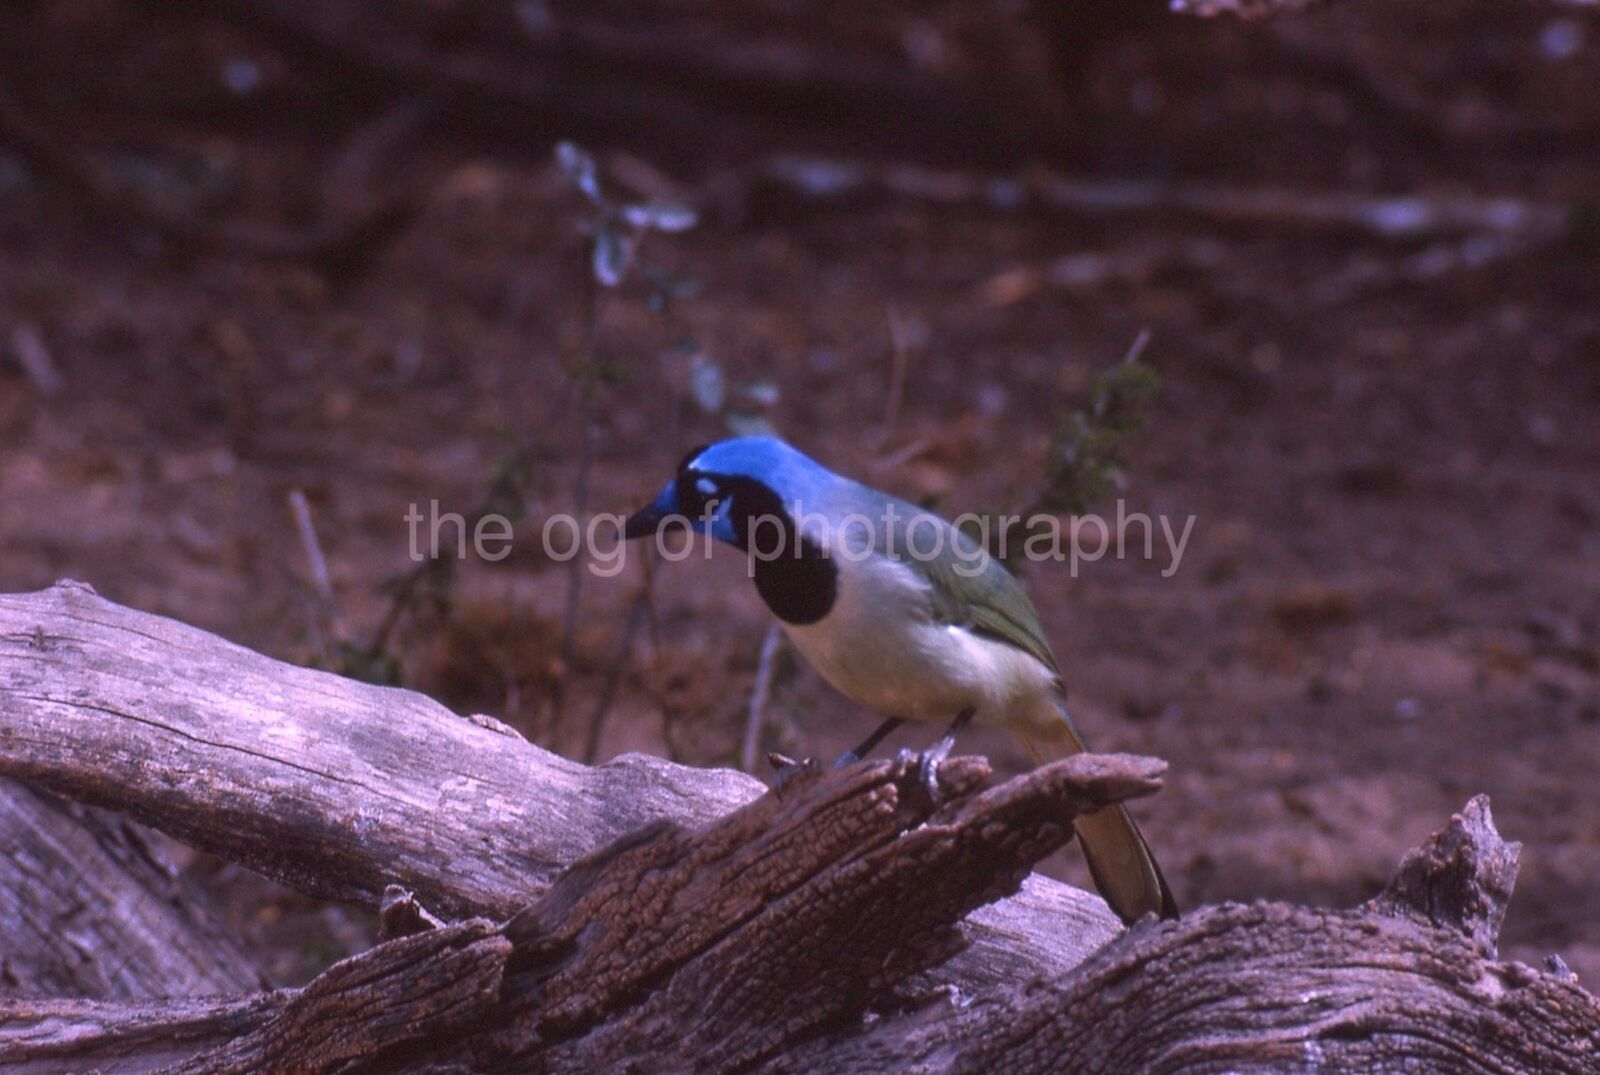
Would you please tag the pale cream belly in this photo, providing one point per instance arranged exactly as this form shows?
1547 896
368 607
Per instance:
929 671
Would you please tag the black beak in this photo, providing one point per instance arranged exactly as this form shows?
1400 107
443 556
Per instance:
648 519
642 523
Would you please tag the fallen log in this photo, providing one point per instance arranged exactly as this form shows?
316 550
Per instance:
340 788
821 928
89 908
709 947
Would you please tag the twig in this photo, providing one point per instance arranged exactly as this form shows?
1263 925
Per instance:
1093 269
901 456
1392 219
1133 354
317 563
755 719
1364 275
574 601
584 374
654 613
308 540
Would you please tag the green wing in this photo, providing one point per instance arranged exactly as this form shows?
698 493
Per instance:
971 589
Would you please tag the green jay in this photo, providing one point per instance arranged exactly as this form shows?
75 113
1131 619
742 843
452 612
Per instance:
903 613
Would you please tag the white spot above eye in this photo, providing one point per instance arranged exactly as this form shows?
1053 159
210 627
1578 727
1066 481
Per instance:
706 486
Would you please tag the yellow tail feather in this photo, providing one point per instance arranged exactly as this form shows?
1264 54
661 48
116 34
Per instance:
1124 870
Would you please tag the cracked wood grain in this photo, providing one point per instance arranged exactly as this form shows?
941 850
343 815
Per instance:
340 788
848 924
674 948
90 908
334 787
735 946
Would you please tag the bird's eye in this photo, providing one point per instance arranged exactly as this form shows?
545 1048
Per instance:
695 493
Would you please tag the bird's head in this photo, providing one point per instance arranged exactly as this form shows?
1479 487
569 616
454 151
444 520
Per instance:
721 488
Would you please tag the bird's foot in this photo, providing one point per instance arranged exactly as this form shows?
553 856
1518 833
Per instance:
788 770
928 766
849 757
928 761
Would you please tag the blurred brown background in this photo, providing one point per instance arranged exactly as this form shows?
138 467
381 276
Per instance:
252 249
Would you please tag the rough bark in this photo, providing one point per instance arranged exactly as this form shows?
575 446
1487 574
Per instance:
1252 988
834 926
57 1037
777 938
1405 983
1461 879
709 948
340 788
89 908
334 787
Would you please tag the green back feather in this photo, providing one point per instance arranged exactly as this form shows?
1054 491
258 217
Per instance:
969 587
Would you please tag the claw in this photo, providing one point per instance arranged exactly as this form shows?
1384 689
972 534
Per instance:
928 761
928 766
849 757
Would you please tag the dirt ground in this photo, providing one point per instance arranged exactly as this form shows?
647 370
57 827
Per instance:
1391 598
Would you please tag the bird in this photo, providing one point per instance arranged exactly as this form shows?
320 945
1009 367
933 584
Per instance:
901 612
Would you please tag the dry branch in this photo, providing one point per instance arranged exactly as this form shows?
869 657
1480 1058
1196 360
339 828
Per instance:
56 1037
709 948
88 908
837 926
1461 879
1397 219
340 788
788 937
332 786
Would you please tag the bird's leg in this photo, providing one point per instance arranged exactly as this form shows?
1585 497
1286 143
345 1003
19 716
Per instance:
928 762
850 757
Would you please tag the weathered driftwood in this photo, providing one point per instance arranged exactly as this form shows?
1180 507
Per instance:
703 947
340 788
710 948
88 908
832 927
334 787
1404 983
1462 878
782 937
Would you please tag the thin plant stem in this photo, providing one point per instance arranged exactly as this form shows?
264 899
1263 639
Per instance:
755 718
586 376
